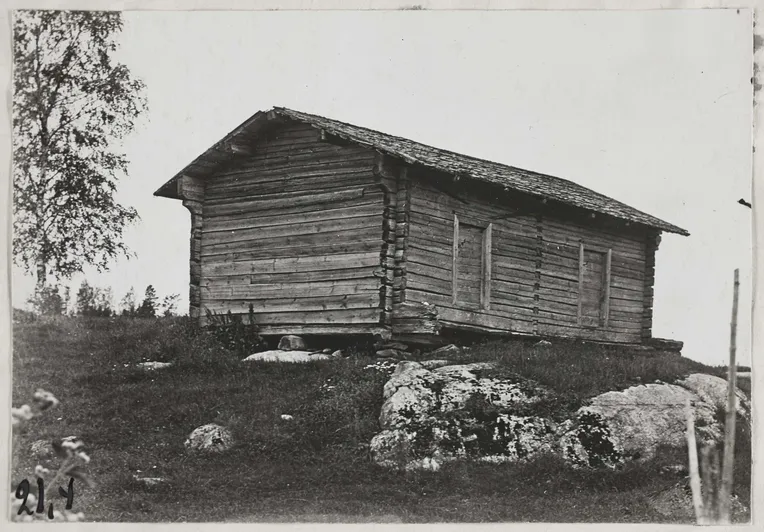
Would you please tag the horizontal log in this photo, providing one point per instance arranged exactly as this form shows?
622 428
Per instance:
294 199
323 154
291 290
312 329
323 180
366 227
417 266
254 172
289 265
428 284
361 206
445 302
588 334
353 244
364 300
319 317
413 326
293 277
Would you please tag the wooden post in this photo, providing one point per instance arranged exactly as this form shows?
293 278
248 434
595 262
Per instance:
485 293
725 492
692 451
606 295
580 281
455 261
709 461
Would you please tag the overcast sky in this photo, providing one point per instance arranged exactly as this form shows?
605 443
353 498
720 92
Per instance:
652 108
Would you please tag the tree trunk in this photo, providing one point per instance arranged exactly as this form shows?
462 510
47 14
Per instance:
42 276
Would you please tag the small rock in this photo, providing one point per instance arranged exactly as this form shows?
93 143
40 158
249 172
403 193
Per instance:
291 342
286 356
339 353
150 482
149 366
435 363
542 343
388 353
209 438
287 417
327 351
396 345
41 449
446 350
676 469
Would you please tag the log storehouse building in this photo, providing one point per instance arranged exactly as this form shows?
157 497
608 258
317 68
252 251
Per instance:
329 228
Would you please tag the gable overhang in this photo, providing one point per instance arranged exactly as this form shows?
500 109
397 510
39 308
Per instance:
235 144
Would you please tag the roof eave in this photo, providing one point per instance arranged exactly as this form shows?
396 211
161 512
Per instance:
169 189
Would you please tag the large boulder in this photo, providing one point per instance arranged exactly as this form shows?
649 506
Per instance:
209 438
713 391
437 414
635 422
453 412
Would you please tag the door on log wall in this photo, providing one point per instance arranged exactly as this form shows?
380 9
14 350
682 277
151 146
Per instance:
471 267
594 287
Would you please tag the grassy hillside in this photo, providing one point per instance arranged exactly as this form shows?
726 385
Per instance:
315 467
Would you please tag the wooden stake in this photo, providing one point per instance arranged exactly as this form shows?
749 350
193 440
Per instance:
725 492
709 461
692 450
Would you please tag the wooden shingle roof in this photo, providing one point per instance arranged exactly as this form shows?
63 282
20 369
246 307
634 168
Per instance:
464 166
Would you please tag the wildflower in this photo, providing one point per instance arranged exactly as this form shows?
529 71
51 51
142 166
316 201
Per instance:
23 413
40 470
45 399
72 443
287 417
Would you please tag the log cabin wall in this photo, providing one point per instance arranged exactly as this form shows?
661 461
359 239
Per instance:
522 269
192 190
296 229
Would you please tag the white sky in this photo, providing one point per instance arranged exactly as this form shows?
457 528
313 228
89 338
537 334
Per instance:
652 108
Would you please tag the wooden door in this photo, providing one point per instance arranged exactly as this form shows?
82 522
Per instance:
594 287
469 263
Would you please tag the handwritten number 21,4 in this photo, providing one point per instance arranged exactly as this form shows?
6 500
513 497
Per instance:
22 492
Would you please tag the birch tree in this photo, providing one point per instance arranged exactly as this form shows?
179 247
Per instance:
72 104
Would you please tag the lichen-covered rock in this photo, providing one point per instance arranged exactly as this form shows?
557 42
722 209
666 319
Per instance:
430 417
290 342
410 374
405 405
434 363
210 438
587 441
474 411
635 422
643 417
713 391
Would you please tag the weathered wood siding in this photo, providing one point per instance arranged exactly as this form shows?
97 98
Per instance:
295 229
534 264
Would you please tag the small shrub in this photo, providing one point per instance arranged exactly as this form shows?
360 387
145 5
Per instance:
235 335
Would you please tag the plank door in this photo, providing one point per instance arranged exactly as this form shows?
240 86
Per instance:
594 287
469 263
